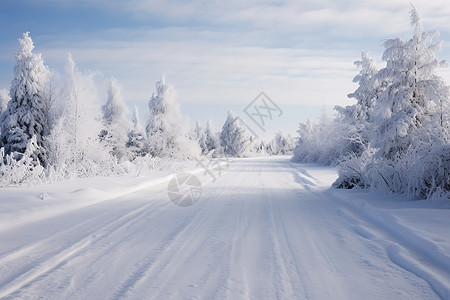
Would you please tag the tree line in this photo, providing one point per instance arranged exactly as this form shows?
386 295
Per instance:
54 129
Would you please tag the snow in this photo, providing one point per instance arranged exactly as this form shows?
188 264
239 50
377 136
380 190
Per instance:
267 228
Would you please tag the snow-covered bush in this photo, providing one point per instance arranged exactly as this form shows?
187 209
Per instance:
352 170
21 168
323 143
428 172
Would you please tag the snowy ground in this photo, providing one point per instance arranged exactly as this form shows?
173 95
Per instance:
265 229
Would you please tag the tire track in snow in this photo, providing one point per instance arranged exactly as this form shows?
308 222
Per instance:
236 283
284 288
147 267
291 267
233 273
257 234
227 279
47 264
203 220
160 255
26 250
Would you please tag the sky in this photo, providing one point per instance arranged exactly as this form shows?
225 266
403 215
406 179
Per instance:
219 55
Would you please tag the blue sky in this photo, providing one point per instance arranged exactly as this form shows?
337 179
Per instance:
218 54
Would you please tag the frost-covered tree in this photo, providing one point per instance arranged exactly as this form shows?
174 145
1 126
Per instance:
407 111
199 136
64 142
25 115
166 133
234 139
116 126
365 95
359 116
212 140
406 107
357 124
137 142
76 149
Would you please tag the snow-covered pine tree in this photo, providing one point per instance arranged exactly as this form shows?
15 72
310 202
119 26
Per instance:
25 115
234 139
212 140
199 136
166 133
116 126
137 142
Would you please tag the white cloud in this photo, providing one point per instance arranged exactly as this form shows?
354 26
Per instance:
380 17
299 52
205 69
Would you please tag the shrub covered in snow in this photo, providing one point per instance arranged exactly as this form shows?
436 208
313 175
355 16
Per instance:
21 168
323 142
283 144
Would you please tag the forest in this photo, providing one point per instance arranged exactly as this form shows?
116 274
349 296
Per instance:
395 138
53 130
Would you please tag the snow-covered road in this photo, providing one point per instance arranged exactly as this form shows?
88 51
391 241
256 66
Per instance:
265 229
